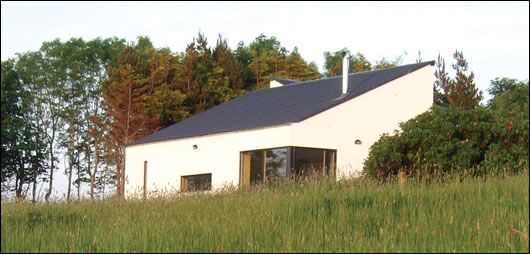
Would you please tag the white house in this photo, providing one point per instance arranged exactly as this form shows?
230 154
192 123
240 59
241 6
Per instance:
325 125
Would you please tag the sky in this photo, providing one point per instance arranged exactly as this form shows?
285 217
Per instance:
494 36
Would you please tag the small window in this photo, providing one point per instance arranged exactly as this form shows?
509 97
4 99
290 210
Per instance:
201 182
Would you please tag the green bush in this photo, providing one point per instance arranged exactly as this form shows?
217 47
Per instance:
475 142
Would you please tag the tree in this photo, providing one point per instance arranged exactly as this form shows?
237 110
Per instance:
12 96
266 58
500 85
510 95
23 149
70 62
333 63
461 91
102 53
124 93
231 68
385 63
142 94
36 75
442 80
167 99
298 69
244 57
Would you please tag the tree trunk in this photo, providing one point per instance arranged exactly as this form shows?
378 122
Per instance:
34 194
78 181
93 175
69 182
49 192
126 141
19 181
123 173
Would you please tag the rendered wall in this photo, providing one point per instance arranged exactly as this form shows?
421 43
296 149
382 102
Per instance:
366 117
217 154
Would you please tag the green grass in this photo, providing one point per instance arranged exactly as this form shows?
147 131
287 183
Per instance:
471 215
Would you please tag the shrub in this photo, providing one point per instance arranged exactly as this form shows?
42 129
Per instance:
475 141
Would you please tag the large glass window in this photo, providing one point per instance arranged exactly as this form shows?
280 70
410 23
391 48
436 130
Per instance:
263 165
313 161
272 164
276 164
196 182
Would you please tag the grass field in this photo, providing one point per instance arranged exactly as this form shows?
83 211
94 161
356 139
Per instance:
470 215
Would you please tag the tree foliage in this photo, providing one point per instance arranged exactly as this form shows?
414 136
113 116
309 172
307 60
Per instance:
477 141
333 63
267 58
358 63
509 95
459 92
23 149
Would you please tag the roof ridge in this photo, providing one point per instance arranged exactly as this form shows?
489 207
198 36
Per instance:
349 75
276 77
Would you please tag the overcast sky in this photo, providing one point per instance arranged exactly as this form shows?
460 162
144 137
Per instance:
494 36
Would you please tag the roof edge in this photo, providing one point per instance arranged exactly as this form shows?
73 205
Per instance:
208 135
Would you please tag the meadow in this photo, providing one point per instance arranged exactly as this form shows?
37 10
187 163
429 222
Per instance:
487 214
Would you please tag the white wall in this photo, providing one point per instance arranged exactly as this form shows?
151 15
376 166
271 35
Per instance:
366 117
274 84
218 154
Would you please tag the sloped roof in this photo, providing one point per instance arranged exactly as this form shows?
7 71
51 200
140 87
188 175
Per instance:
277 106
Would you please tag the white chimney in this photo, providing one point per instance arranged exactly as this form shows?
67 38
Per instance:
345 68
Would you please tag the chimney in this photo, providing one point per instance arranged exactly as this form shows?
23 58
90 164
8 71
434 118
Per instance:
345 68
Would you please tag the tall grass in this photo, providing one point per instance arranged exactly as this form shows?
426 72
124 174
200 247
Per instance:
469 215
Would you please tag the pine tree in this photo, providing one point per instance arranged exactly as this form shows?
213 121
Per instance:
231 68
442 81
461 91
125 93
298 69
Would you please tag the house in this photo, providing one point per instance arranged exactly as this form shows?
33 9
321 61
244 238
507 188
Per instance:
323 126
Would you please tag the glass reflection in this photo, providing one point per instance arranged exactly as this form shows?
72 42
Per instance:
276 163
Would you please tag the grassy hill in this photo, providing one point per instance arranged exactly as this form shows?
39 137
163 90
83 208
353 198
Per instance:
470 215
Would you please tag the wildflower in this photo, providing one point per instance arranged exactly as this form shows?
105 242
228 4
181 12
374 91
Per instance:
509 127
467 140
511 122
434 165
511 113
522 139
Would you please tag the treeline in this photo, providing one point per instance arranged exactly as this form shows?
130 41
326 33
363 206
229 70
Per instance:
83 101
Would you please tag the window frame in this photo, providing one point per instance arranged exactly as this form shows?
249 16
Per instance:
184 183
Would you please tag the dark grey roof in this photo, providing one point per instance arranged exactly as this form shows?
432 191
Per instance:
284 81
280 105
